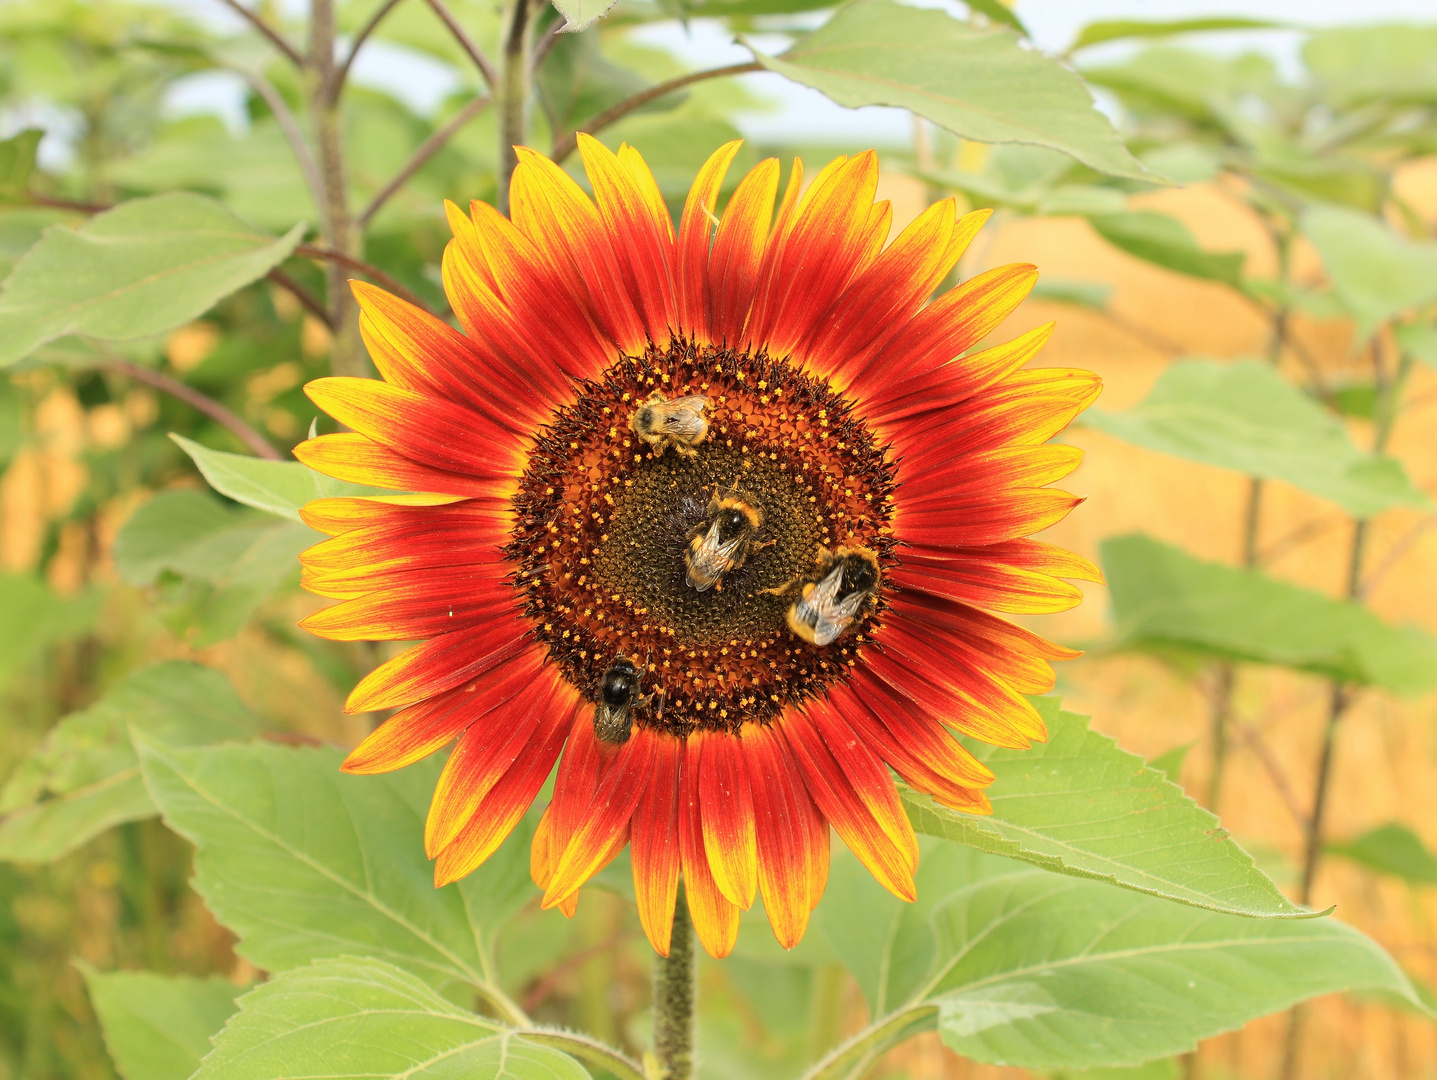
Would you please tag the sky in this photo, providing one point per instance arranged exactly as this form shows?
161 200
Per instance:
798 113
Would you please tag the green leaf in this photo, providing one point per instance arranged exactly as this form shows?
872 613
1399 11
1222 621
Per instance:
1419 339
35 618
142 268
1161 1069
20 230
1245 416
1393 849
1079 804
1095 33
1376 273
17 163
1089 294
1171 761
582 14
287 847
1166 241
998 12
158 1027
1390 64
276 487
351 1019
978 83
1334 180
12 422
1164 599
84 777
577 81
1024 968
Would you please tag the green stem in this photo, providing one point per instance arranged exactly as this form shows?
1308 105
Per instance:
515 79
606 1058
856 1055
674 984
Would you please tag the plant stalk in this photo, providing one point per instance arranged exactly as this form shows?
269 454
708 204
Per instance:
516 76
337 226
674 985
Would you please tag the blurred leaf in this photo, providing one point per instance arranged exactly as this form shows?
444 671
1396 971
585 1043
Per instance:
582 14
980 84
577 81
1081 199
1163 598
20 230
1171 761
12 422
139 269
998 12
1012 175
1166 241
158 1027
1376 273
1390 64
84 777
1353 183
1095 33
1245 416
353 1018
276 487
1419 339
750 8
1185 162
1079 804
1088 294
17 163
1024 968
37 617
1393 849
1198 86
1284 294
1355 399
1161 1069
676 144
286 851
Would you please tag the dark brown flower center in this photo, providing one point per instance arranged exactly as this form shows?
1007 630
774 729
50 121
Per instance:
605 519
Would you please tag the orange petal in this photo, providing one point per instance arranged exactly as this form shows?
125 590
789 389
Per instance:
786 852
715 918
655 844
574 789
696 231
360 460
727 814
437 602
440 664
738 250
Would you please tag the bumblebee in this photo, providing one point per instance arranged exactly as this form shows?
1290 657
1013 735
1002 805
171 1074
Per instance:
723 540
618 694
843 586
679 423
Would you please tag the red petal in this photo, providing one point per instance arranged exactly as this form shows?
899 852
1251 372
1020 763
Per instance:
696 233
654 835
715 918
727 804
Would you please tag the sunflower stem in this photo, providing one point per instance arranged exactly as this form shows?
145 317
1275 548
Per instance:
516 77
674 984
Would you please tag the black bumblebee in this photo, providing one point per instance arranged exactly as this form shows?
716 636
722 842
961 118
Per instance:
618 694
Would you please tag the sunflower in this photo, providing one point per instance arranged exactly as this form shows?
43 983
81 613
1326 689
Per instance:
713 518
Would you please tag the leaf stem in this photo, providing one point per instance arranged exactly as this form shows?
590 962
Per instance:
289 127
325 254
516 78
306 298
587 1049
465 42
268 31
674 984
569 143
207 405
337 80
853 1057
427 150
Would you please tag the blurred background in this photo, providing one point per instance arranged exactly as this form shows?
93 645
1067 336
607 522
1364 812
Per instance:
1255 123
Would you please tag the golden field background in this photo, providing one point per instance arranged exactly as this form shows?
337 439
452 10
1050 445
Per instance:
1387 749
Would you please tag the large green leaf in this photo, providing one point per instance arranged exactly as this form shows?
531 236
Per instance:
1393 849
36 617
231 560
158 1027
1165 599
1020 967
276 487
304 862
978 83
1356 64
1096 33
1419 339
85 778
1247 417
1166 241
1079 804
139 269
17 162
351 1019
582 14
1376 273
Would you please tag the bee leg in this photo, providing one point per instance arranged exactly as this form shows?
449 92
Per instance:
685 451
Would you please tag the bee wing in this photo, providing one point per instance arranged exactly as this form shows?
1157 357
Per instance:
828 627
684 418
709 559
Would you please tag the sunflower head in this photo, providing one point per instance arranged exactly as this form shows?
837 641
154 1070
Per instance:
712 517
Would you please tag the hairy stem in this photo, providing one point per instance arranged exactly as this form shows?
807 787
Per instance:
465 42
516 76
565 146
342 73
207 405
336 225
674 984
268 31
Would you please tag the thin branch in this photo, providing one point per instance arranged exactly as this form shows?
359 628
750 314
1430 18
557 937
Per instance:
548 41
336 83
324 254
427 150
1299 536
69 204
1394 555
486 69
569 143
307 299
1254 741
292 133
207 405
541 990
268 31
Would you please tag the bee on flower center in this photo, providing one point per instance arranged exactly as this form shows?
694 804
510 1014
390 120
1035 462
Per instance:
723 541
679 423
843 586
